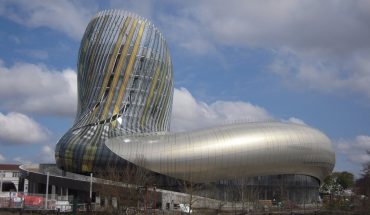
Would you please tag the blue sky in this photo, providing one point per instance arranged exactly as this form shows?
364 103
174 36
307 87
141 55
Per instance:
298 61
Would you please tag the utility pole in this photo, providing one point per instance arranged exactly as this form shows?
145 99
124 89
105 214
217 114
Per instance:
47 190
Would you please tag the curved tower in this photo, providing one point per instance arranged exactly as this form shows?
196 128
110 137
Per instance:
125 84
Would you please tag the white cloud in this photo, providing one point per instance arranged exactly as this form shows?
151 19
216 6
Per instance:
302 25
21 160
295 121
67 16
324 75
363 142
319 46
355 150
35 88
187 34
17 128
189 114
47 154
2 158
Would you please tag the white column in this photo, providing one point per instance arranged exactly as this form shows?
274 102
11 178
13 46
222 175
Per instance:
47 190
1 180
25 186
53 190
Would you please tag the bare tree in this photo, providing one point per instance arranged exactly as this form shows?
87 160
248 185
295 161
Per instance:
363 188
194 192
122 184
191 189
249 195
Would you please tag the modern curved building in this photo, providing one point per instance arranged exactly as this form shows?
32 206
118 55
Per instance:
125 90
125 85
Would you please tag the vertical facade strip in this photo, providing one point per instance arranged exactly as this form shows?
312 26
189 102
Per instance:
128 69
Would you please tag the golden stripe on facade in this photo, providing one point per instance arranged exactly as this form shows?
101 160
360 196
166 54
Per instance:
128 71
151 92
118 71
165 108
102 61
112 60
161 86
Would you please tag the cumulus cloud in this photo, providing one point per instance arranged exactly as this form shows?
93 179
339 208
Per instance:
189 114
67 16
38 89
310 27
2 158
319 46
17 128
324 75
356 150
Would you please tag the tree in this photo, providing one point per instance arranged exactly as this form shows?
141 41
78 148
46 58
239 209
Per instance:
334 186
363 183
363 187
191 189
124 184
248 194
345 179
335 183
331 186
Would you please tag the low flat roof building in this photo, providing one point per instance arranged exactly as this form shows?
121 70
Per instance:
9 178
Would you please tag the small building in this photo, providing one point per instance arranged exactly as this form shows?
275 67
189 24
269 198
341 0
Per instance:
9 179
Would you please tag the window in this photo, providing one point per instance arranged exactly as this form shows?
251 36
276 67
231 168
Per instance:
15 174
135 82
141 63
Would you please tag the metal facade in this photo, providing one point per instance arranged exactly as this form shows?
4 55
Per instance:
125 83
125 89
231 151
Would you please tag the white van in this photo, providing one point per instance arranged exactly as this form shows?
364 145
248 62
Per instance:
63 206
